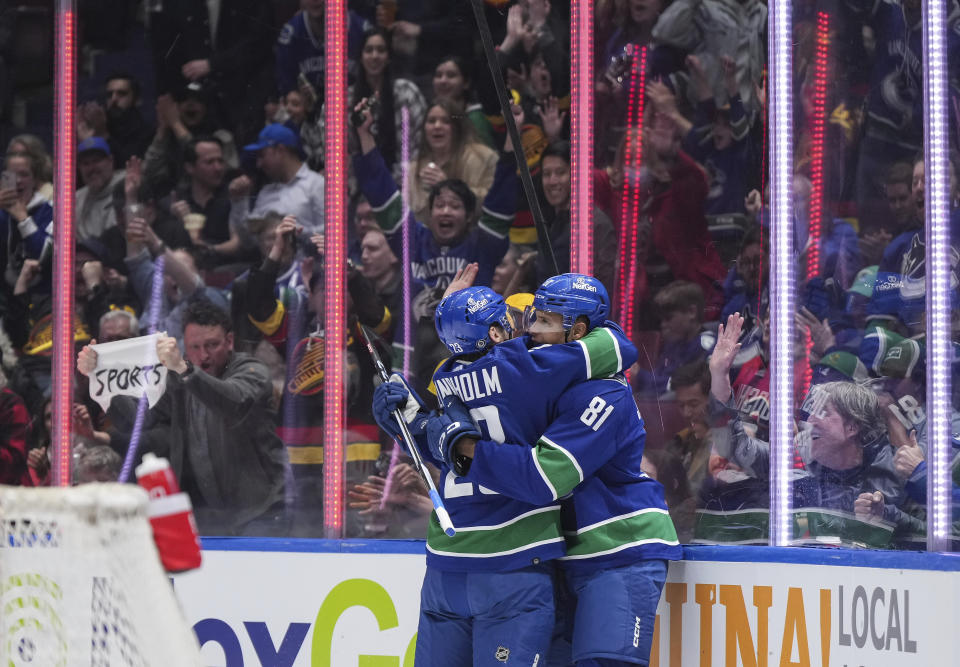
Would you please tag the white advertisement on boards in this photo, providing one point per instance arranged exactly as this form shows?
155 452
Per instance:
279 609
784 614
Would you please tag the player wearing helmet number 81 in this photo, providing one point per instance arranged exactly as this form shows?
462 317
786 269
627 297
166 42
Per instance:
618 534
488 592
562 300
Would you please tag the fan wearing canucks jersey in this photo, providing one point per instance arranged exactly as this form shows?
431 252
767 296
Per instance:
489 591
618 531
446 245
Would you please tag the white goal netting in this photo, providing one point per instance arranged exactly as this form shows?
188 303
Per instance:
81 582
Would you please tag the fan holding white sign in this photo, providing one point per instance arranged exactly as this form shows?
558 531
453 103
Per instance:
128 368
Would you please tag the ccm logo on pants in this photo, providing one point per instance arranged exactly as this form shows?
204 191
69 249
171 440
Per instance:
636 633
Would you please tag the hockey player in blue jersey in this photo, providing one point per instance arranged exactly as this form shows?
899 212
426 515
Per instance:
488 593
618 532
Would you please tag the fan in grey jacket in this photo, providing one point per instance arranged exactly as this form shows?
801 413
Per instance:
218 423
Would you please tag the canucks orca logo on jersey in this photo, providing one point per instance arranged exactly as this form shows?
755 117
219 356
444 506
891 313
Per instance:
913 270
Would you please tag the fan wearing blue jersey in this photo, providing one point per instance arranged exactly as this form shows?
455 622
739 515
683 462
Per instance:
619 535
447 242
488 593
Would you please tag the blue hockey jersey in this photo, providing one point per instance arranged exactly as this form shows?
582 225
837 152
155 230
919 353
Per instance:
433 265
300 51
511 392
32 238
895 103
616 514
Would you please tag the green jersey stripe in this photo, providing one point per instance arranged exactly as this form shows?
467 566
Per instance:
492 554
490 230
811 525
619 517
543 475
586 356
510 522
620 547
835 527
602 352
736 527
651 526
527 532
495 223
389 214
913 356
558 465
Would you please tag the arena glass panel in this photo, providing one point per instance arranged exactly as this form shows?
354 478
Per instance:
26 78
935 465
437 119
859 377
195 135
680 162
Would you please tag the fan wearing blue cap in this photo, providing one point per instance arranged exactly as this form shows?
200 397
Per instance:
292 187
95 213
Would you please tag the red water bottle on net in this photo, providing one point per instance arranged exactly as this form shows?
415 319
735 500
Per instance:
171 515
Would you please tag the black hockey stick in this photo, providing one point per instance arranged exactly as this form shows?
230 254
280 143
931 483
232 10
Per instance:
542 236
418 463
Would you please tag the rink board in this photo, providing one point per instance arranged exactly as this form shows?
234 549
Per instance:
348 603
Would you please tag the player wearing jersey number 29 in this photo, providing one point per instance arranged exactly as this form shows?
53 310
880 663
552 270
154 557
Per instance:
488 593
618 534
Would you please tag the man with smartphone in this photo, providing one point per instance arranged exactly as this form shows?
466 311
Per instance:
26 217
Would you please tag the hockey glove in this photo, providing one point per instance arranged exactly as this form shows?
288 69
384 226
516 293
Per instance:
455 409
443 432
397 395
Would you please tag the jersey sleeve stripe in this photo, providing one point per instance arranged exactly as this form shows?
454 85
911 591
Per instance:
616 349
603 350
390 214
881 347
558 466
543 475
586 356
385 205
503 218
914 356
489 230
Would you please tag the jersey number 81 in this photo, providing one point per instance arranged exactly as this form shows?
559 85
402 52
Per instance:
595 410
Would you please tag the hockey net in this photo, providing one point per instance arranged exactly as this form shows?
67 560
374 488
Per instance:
81 582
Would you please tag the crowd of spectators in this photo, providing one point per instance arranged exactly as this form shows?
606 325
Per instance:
220 173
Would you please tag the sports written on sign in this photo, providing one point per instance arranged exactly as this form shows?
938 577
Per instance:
128 368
